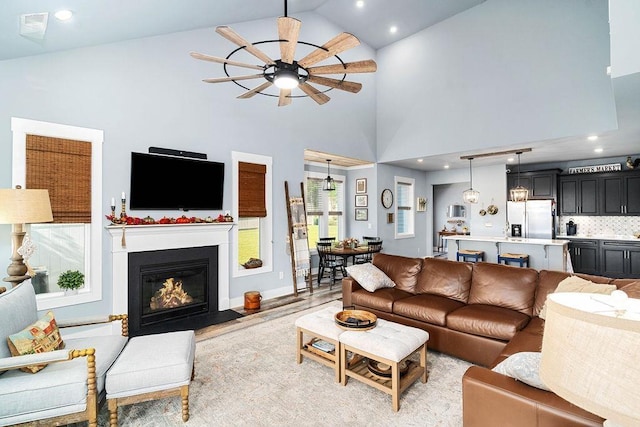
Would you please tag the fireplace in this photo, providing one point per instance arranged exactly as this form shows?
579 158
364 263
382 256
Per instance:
142 239
172 289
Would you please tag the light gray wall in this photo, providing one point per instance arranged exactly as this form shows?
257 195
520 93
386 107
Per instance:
443 196
500 73
358 229
148 92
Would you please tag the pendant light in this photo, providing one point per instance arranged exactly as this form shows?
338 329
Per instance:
328 184
470 195
519 193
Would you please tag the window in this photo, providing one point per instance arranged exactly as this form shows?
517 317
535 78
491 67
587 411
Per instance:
324 208
404 207
74 240
252 202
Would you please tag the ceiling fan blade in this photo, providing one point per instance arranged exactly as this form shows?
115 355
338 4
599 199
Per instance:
338 44
234 37
314 93
368 66
210 58
352 87
228 79
285 97
289 30
255 90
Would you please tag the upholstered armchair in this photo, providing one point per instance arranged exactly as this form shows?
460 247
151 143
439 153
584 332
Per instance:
71 385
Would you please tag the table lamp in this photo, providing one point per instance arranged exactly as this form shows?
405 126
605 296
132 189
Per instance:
18 207
590 354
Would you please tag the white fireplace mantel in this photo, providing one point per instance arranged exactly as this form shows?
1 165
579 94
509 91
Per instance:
141 238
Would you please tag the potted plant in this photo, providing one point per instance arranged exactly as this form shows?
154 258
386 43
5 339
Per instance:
71 281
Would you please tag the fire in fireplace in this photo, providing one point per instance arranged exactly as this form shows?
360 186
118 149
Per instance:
174 289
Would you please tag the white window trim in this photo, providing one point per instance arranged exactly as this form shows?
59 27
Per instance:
342 219
412 216
266 224
92 290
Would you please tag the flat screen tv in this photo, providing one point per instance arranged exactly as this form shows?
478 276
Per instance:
167 182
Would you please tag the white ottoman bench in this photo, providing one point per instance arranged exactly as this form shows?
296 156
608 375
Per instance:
152 367
319 325
391 344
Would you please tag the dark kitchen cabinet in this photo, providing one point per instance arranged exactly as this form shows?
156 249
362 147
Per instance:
620 259
620 194
541 184
578 195
585 256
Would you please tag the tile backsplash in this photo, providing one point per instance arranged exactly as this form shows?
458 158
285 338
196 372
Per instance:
601 225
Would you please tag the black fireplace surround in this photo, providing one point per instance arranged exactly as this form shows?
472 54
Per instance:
174 290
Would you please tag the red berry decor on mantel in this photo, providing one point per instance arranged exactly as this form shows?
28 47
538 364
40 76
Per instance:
132 220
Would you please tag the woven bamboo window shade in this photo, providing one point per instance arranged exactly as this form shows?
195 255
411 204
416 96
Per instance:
63 167
251 190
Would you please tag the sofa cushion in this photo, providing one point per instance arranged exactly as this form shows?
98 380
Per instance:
402 270
504 286
449 279
18 308
578 284
527 339
426 308
487 321
39 337
547 283
595 279
369 276
630 287
525 367
381 300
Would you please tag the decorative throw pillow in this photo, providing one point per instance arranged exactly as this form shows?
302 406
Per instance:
40 337
370 277
523 367
577 284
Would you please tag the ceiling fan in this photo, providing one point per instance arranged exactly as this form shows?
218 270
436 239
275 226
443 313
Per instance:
286 73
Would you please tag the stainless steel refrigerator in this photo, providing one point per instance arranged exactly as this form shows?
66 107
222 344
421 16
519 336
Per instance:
533 219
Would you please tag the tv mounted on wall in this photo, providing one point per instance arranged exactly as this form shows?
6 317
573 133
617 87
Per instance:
168 182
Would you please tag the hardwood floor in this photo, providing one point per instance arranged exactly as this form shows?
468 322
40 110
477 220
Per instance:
274 308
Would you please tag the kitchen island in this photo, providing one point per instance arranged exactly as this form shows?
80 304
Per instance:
544 254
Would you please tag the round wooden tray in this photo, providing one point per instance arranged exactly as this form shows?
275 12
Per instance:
383 370
356 320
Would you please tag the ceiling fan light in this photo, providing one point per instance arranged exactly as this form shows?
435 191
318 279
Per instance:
286 79
471 196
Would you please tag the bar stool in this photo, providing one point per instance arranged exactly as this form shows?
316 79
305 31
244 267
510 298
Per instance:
521 259
470 255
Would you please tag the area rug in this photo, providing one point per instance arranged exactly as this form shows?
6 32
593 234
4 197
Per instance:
250 378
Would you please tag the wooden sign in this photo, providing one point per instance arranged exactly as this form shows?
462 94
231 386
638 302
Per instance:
596 168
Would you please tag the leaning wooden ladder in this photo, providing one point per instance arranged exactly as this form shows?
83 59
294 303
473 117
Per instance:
292 232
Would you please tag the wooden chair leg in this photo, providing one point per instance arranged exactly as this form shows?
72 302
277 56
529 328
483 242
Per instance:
113 412
184 395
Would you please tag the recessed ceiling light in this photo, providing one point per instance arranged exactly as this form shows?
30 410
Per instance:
63 15
420 160
360 3
393 29
592 137
446 166
510 159
598 150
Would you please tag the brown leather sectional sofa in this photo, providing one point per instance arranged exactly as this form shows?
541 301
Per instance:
482 313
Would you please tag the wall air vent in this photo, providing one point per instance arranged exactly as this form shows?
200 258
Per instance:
33 25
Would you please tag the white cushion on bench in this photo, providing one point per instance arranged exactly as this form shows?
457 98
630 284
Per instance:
321 322
152 363
387 340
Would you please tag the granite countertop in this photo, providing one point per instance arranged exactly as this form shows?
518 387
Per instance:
626 237
521 240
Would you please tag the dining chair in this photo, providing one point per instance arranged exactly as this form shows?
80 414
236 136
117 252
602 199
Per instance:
329 262
373 247
327 239
367 238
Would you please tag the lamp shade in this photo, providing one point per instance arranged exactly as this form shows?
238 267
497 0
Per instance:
21 206
590 354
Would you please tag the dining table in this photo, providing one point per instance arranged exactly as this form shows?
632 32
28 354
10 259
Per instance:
345 253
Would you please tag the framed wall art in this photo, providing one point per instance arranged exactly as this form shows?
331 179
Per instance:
362 214
362 201
421 204
361 186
